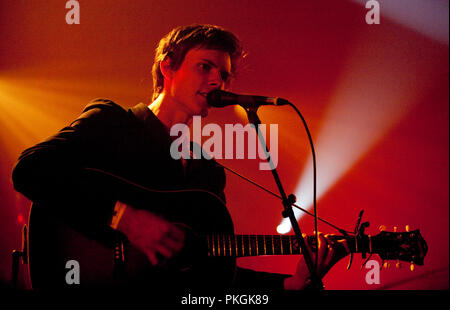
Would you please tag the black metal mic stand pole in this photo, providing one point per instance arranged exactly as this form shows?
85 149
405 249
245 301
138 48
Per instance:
316 282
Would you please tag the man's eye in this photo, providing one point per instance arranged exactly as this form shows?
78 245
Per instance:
205 67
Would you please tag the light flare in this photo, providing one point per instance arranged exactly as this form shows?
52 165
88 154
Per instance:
377 90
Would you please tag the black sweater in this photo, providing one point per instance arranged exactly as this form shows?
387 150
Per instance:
133 145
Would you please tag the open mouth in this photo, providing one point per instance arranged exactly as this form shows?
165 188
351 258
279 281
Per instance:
205 96
205 105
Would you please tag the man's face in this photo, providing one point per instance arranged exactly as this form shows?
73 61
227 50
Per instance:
202 70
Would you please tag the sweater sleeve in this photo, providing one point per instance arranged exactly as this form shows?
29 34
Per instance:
52 172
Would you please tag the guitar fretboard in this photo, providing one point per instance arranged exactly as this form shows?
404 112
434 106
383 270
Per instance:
251 245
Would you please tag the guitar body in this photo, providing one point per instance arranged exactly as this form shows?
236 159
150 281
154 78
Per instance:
53 244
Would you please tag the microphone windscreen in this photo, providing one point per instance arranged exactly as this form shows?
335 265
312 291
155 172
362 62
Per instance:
219 98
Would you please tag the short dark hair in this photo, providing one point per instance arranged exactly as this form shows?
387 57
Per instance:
180 40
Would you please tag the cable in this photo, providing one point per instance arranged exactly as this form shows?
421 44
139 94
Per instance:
342 231
314 175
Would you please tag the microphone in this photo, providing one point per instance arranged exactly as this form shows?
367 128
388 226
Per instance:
219 99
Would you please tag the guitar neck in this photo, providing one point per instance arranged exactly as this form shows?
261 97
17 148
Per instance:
254 245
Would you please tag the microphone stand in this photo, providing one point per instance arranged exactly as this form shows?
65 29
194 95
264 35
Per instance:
315 281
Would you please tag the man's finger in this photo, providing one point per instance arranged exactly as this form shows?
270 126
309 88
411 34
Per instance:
322 245
164 251
176 233
344 250
172 244
152 258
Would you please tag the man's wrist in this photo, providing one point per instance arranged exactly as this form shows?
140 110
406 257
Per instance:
292 283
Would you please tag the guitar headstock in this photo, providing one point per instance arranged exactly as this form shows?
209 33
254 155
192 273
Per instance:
406 246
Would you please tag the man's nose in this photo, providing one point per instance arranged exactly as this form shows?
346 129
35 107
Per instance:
216 80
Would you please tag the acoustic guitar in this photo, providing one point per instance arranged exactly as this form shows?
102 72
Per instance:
207 260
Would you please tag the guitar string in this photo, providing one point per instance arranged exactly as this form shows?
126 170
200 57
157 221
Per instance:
342 231
279 197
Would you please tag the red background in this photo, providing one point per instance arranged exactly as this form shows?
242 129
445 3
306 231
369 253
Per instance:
375 98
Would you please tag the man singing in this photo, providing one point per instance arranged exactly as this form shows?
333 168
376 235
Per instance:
127 152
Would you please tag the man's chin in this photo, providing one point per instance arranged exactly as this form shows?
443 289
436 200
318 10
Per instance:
204 113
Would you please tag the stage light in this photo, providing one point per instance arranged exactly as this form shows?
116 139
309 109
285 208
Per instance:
379 86
429 18
23 112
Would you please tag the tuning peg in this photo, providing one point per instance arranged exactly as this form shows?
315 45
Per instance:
382 228
386 265
398 265
407 228
411 266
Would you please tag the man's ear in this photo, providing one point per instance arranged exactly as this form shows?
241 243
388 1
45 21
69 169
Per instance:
165 68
